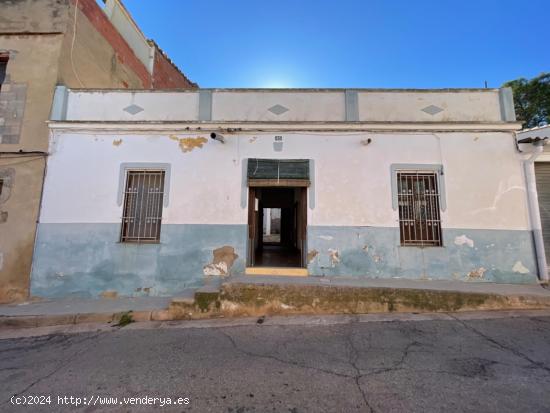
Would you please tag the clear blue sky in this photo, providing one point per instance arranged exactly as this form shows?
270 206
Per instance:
350 43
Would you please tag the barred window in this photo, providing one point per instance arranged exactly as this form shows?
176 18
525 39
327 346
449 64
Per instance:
143 200
419 214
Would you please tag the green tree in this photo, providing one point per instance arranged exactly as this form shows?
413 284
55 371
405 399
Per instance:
532 100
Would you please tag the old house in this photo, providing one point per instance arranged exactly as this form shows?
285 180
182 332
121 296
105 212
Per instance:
151 192
44 43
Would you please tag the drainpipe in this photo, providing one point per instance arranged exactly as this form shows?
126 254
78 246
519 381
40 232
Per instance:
533 202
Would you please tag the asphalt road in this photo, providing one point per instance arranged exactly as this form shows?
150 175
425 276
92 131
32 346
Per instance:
338 364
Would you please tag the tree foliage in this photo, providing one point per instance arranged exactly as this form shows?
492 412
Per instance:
532 100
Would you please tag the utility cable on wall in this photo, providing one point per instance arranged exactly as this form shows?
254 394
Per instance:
73 42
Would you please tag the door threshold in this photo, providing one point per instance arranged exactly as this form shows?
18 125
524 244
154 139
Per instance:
280 271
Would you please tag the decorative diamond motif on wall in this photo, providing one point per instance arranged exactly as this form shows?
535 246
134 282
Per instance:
278 109
432 110
133 109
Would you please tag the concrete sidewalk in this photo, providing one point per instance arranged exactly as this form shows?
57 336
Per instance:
248 295
85 310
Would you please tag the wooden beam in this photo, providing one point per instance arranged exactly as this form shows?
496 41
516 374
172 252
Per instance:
278 183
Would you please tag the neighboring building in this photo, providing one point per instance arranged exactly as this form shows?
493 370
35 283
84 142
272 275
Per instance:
44 43
419 184
541 171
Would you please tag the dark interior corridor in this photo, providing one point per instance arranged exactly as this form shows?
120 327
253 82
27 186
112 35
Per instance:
287 251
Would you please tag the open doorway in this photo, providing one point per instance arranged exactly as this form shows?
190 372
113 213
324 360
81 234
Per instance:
277 226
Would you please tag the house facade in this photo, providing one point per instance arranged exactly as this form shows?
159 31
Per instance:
44 43
154 192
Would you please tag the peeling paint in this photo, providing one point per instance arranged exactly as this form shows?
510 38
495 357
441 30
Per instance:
463 239
253 139
376 258
326 237
477 273
117 142
520 268
109 294
311 255
366 249
188 144
215 269
334 257
224 258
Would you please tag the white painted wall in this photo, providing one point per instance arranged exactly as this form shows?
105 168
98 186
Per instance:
302 106
158 106
474 106
471 106
483 176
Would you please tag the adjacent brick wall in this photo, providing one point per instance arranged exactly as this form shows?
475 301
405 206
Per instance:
166 74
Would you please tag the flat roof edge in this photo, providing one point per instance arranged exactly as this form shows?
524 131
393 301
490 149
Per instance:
287 90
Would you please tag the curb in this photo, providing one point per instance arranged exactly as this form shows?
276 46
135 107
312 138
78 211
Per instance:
33 321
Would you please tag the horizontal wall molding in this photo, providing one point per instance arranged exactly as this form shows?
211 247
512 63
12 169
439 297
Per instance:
232 127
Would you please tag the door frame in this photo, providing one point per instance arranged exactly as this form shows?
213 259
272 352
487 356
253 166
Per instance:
254 231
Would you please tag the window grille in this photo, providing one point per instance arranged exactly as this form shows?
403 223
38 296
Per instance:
142 213
419 213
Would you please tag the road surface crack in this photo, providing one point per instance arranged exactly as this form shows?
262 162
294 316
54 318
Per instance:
61 366
502 346
352 360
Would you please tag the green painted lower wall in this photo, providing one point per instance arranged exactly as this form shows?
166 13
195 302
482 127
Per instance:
505 256
86 259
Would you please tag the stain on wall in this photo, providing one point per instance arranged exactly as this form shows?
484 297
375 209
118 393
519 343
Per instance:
189 144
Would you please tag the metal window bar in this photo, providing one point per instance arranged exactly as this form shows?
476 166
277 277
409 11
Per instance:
142 213
419 213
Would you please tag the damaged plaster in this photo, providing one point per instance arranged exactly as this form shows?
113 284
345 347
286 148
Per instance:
224 258
117 142
334 256
520 268
311 255
188 144
463 239
477 273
